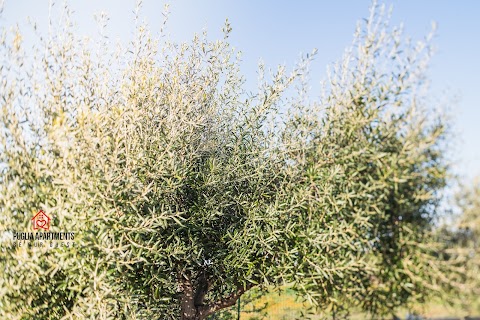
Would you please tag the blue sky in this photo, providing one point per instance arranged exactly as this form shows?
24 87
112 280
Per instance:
278 31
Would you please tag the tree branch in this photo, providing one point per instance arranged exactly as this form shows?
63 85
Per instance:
203 286
229 300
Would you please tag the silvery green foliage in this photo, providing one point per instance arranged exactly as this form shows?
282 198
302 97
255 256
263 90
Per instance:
184 190
461 247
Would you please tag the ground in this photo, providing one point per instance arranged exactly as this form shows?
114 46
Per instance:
285 305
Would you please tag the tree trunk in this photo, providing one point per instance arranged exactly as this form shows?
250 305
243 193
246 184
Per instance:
192 307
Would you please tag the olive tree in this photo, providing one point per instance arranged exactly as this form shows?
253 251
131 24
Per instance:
467 233
460 248
185 190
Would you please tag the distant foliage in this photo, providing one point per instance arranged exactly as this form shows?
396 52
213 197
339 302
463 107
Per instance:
461 249
185 191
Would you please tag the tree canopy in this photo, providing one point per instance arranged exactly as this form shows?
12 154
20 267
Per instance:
184 190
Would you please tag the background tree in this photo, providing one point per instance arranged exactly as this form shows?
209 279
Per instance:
460 248
468 232
185 191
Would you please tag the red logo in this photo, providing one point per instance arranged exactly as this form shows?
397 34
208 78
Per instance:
41 221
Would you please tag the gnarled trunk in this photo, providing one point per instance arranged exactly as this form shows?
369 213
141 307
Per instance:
192 306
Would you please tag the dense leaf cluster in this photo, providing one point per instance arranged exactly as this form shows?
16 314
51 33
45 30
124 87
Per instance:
184 191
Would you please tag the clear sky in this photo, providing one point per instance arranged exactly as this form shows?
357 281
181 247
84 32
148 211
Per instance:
278 31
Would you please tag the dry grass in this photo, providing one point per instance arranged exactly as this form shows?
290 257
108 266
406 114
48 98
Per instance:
287 305
277 305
